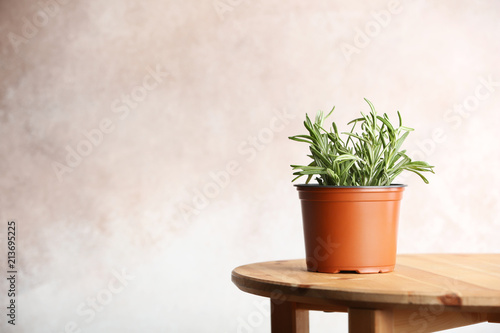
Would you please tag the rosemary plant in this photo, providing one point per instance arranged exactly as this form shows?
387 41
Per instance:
370 158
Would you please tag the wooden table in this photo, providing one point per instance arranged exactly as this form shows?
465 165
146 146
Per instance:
425 293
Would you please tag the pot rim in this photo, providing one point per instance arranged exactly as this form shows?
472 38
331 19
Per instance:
332 186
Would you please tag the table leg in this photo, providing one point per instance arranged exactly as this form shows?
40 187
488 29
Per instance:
286 317
371 321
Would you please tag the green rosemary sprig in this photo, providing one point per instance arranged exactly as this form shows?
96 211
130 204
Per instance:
370 158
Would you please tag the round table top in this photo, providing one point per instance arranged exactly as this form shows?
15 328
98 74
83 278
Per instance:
450 280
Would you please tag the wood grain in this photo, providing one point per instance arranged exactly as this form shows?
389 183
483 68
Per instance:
371 321
286 317
454 281
425 293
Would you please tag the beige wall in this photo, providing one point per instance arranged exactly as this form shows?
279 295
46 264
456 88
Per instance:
175 92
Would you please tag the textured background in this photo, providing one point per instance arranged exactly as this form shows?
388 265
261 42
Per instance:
188 173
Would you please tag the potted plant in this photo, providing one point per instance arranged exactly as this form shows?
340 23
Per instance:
350 217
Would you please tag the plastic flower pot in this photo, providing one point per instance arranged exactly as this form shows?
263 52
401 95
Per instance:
350 228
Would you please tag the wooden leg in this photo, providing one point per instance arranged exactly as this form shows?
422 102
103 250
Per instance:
286 317
371 321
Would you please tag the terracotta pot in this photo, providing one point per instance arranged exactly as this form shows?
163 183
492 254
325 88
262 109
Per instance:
350 228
